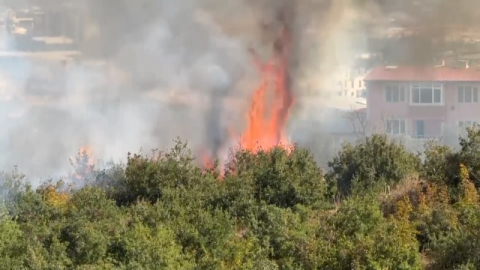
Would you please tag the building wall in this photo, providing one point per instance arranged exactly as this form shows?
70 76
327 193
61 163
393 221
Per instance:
460 111
436 117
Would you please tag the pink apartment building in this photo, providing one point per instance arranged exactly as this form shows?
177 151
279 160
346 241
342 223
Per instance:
422 102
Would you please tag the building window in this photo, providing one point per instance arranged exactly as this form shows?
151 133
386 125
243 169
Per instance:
467 94
395 127
419 126
395 93
360 84
426 94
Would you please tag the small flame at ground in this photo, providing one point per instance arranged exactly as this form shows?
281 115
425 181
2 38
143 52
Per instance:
83 163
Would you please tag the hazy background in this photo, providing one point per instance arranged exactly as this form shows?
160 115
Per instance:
196 50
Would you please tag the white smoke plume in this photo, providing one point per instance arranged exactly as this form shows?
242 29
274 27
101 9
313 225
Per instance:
155 50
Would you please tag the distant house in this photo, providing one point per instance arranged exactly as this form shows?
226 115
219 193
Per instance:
351 83
422 102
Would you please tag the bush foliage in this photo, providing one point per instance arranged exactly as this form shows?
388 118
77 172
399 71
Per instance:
377 206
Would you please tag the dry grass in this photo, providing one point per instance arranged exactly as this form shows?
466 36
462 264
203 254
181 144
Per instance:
406 187
410 187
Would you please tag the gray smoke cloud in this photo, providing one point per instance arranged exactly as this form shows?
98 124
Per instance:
168 66
194 52
174 68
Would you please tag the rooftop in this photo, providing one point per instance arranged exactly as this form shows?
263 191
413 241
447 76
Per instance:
424 74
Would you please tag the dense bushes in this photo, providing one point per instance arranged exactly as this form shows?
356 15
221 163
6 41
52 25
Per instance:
270 210
374 160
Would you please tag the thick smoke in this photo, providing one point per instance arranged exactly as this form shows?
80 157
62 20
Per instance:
197 49
180 68
154 50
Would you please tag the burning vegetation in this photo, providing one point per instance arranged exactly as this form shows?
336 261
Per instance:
83 164
377 206
272 100
267 122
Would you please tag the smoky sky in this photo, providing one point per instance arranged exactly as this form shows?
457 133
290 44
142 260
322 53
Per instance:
137 55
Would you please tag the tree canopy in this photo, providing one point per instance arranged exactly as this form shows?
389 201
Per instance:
377 206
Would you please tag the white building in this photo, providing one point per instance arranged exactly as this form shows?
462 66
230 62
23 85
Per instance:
350 83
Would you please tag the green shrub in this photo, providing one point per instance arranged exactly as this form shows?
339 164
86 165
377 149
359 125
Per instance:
279 177
376 159
270 210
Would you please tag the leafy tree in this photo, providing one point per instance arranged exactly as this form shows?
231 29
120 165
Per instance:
280 177
11 245
440 164
470 154
365 239
287 234
375 159
148 178
146 248
268 211
94 222
458 248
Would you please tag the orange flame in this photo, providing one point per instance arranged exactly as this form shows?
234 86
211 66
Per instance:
266 124
266 128
206 159
88 152
84 162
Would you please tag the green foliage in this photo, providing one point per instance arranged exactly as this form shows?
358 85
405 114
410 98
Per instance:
11 245
280 177
364 239
148 178
145 248
270 210
440 164
281 232
470 153
376 159
459 247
